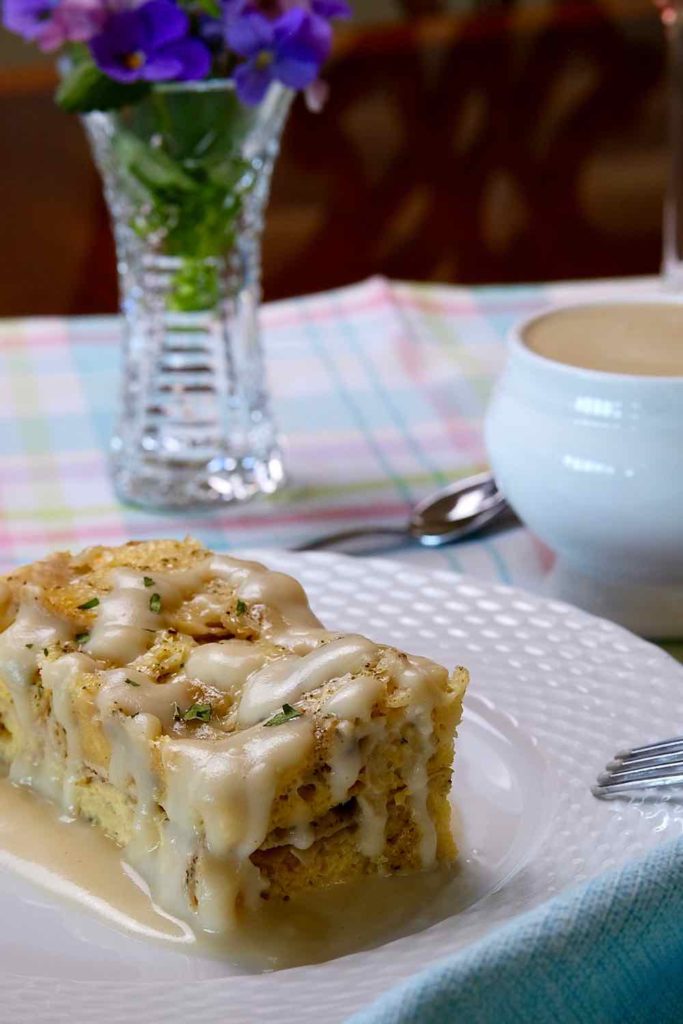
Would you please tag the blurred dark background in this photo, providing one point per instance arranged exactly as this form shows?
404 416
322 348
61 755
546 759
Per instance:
499 143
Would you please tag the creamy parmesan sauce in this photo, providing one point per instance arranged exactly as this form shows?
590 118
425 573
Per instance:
82 868
57 677
290 678
226 665
203 797
23 647
79 863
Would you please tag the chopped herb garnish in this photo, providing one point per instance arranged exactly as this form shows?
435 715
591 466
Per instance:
82 638
131 682
200 711
240 607
286 715
29 646
87 605
45 651
155 603
177 713
148 581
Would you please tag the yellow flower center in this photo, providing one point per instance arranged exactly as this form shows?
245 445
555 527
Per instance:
264 60
133 61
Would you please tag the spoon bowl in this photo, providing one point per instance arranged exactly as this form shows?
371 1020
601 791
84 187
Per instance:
457 511
451 514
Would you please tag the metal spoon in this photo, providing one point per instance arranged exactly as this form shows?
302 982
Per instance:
457 511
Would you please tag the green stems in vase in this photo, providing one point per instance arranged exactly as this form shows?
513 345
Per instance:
187 174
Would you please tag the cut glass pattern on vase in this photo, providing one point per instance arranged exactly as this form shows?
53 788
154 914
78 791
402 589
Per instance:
187 175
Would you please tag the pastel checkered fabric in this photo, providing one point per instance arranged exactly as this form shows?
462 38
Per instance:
379 391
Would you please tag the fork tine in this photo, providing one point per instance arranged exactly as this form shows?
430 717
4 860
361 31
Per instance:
653 765
655 771
663 746
664 757
617 788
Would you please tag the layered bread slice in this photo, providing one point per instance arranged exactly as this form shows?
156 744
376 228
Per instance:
193 707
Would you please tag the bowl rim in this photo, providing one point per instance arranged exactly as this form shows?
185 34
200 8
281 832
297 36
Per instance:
518 348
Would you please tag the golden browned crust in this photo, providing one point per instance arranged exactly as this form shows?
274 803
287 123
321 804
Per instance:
65 583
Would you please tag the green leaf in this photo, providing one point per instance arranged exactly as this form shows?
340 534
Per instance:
148 581
240 607
195 286
227 172
210 7
152 167
85 88
82 638
286 715
199 711
87 605
155 603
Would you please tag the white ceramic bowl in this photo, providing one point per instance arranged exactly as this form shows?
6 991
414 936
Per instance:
593 464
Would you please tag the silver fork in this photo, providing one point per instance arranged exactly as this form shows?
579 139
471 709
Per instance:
654 765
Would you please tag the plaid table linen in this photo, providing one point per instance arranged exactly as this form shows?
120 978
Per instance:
379 391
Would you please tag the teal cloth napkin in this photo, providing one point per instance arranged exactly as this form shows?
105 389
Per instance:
610 952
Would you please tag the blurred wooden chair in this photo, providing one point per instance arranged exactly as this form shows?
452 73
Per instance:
57 255
504 145
498 147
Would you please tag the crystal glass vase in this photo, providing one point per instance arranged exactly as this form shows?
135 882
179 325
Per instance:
187 175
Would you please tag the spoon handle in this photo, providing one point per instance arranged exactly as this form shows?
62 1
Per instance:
330 539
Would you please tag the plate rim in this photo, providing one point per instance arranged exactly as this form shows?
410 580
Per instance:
38 992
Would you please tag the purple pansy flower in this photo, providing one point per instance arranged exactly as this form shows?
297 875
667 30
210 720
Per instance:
331 9
27 17
151 43
50 23
322 8
288 49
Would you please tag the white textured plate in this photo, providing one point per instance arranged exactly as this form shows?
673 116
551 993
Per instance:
554 692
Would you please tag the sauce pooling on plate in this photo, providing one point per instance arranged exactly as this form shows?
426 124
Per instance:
81 867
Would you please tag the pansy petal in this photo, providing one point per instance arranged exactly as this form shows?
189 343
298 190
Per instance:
122 36
123 33
232 8
78 20
252 82
112 66
163 67
27 17
331 8
164 23
250 33
312 41
193 57
296 74
51 36
38 21
290 23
